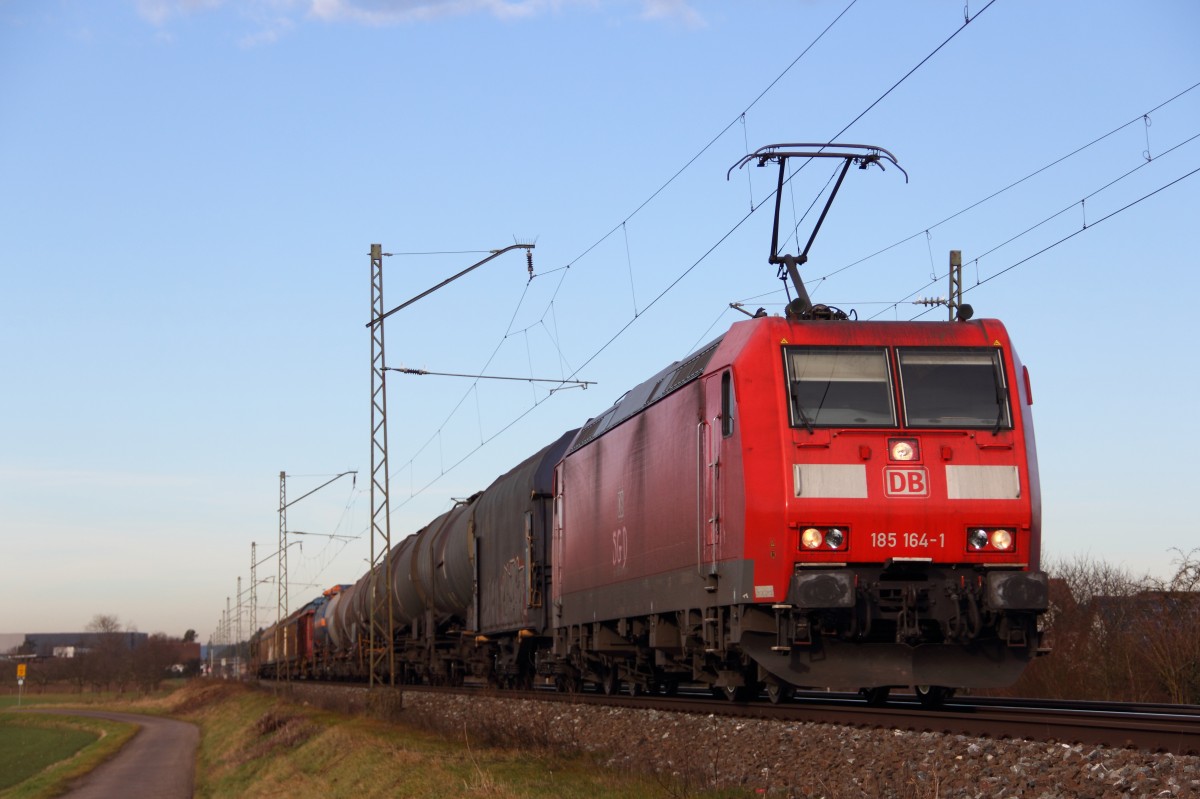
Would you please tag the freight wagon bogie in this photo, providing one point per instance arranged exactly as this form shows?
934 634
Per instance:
655 654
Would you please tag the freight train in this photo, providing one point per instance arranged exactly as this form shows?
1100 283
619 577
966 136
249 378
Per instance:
805 502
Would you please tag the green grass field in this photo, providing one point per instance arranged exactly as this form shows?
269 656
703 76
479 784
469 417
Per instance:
40 755
10 702
26 749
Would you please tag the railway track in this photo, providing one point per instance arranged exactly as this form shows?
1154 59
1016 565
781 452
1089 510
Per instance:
1173 729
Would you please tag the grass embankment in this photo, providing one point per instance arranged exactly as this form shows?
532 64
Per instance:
254 744
41 755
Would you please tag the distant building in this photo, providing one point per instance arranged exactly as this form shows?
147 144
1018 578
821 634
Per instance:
43 645
68 651
185 651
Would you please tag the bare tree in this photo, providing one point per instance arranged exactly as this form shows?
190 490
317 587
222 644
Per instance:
1095 654
108 659
1170 613
1120 638
152 660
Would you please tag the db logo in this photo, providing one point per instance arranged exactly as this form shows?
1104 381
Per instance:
906 482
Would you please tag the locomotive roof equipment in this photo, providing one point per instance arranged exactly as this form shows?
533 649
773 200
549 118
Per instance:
863 155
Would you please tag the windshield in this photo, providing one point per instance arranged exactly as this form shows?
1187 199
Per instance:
953 388
839 386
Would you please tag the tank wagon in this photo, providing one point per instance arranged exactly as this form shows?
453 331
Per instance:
806 501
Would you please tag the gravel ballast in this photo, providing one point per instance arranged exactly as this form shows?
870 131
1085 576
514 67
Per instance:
790 759
805 760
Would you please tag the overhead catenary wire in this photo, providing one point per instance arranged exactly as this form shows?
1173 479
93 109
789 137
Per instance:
771 195
495 351
1066 238
737 225
1091 226
937 277
818 281
403 370
714 139
1014 184
566 270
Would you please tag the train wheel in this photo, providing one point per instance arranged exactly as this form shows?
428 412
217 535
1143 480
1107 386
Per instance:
733 693
778 692
610 683
875 697
933 696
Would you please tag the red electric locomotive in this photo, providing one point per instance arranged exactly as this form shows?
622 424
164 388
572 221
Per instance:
809 502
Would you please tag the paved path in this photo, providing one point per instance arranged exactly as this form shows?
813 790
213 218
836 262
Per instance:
159 762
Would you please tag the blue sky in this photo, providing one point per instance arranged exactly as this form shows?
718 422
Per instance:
189 190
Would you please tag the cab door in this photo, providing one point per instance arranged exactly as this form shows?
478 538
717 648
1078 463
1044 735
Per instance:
557 544
713 439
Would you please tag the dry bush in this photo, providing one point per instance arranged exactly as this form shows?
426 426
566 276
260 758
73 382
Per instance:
276 730
1119 637
198 694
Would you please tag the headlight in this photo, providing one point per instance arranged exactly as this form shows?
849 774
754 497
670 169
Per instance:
981 539
824 538
1002 539
903 449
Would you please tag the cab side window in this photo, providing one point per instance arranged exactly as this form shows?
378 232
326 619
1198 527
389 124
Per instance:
727 405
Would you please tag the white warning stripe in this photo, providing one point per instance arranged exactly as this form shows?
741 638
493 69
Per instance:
983 482
826 480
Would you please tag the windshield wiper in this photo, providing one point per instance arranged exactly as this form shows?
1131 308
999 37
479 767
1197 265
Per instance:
799 406
1001 396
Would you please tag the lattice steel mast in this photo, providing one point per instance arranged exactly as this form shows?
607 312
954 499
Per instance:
253 589
382 623
281 609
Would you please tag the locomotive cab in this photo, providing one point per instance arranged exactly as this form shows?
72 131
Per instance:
913 510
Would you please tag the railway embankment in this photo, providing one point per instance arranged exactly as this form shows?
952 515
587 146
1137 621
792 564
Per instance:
271 743
702 754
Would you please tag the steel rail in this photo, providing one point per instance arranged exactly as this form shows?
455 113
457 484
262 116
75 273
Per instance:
1148 727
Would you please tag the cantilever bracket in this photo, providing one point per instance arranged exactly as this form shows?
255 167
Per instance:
864 155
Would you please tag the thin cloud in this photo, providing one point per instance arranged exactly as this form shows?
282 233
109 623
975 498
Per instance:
391 12
270 33
677 10
159 12
285 14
